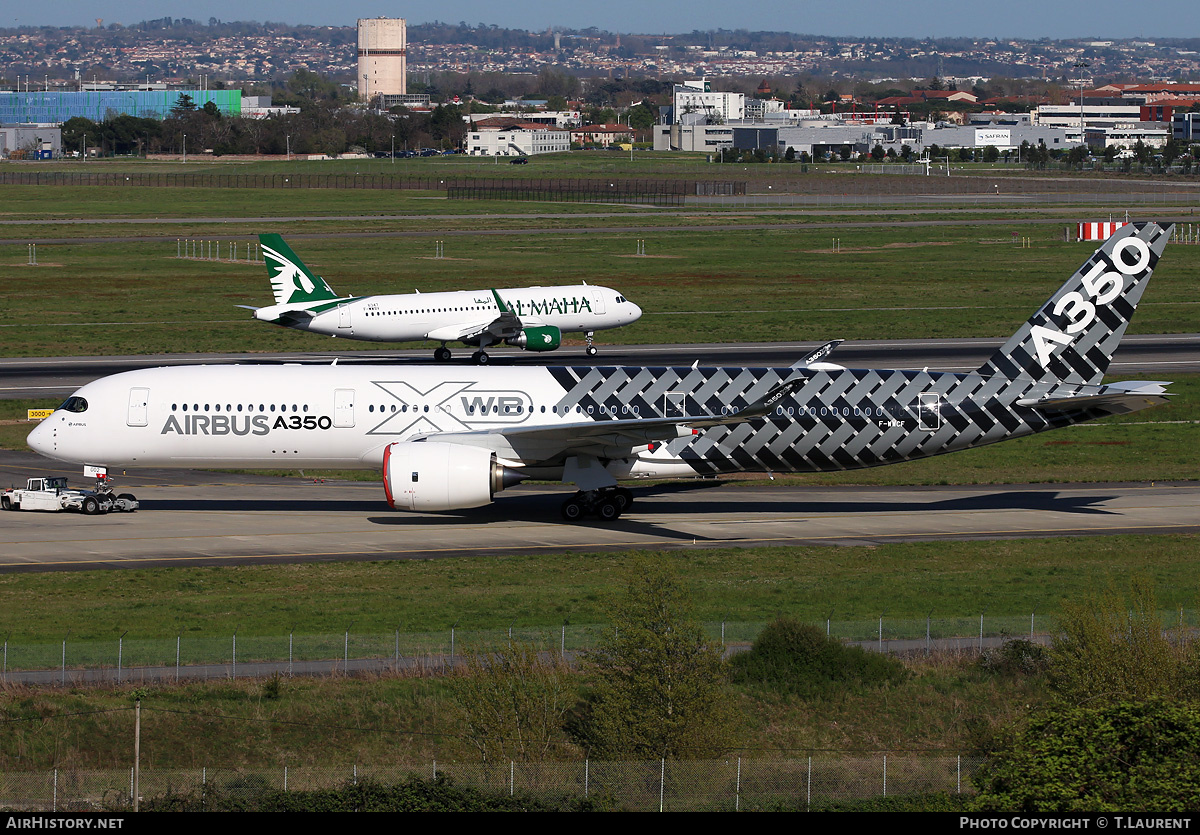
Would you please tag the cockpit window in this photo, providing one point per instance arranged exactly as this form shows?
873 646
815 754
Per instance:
74 404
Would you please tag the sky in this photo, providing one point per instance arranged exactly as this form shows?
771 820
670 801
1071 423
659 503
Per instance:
889 18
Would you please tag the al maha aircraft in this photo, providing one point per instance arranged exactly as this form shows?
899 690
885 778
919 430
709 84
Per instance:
531 318
450 438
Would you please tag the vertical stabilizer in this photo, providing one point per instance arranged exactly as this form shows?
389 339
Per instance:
1072 338
291 281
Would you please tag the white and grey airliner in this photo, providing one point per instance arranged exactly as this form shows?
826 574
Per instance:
449 438
531 318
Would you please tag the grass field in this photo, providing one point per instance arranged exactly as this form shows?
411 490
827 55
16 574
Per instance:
949 579
695 286
948 704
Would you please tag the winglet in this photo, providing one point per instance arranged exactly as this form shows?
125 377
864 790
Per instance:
500 305
819 354
757 409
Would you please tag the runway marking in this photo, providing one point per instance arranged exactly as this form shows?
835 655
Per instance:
615 544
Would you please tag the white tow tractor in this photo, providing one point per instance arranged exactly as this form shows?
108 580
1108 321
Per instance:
52 493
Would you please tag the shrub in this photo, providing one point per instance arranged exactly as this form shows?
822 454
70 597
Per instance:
1016 657
797 658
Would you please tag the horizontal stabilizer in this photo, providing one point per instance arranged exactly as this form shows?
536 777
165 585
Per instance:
1113 399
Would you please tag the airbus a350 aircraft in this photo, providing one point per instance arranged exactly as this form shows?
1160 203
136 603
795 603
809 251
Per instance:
450 438
531 318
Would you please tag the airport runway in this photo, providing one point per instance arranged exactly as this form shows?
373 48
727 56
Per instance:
57 377
196 518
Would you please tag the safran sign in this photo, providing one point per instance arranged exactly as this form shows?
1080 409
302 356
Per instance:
993 136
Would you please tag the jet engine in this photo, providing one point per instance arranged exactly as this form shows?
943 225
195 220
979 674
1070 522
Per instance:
426 476
545 338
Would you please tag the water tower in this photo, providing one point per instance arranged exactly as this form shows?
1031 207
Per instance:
382 57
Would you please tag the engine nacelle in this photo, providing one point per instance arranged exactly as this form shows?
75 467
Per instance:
432 476
545 338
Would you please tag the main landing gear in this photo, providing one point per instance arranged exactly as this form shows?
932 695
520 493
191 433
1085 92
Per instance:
443 355
606 504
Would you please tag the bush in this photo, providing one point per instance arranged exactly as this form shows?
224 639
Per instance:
1017 657
1118 757
415 794
797 658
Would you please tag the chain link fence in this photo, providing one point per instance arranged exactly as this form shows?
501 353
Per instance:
130 659
734 784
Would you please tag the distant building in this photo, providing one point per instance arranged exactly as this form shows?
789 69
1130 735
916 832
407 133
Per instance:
30 141
98 105
1185 127
526 139
1113 121
260 107
603 135
413 101
701 137
382 57
695 98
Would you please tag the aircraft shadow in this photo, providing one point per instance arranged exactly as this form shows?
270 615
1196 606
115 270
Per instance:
1045 501
264 505
671 499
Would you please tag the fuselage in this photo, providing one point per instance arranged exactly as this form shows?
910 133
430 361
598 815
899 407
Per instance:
442 316
345 416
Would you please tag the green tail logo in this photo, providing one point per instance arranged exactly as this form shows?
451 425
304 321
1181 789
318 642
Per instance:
291 281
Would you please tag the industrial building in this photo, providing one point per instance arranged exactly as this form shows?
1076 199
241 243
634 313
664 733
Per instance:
1185 127
382 57
32 141
98 104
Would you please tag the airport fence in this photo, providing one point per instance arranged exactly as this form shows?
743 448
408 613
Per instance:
733 784
188 656
616 189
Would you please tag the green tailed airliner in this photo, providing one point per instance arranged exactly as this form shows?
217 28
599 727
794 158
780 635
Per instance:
531 318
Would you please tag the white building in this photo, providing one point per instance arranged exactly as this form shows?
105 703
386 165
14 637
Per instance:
1109 118
695 97
382 56
705 138
517 140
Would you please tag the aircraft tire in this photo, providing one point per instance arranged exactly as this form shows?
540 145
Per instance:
624 498
572 510
442 354
609 510
591 350
480 357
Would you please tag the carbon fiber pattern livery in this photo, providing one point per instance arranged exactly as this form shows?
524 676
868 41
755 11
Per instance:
847 419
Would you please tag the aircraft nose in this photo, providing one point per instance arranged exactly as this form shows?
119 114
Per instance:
635 312
41 439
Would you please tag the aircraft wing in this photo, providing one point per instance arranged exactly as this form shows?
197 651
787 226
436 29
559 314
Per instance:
505 325
460 332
